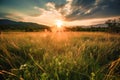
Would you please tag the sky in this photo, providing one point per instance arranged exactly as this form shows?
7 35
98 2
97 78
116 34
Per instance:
71 12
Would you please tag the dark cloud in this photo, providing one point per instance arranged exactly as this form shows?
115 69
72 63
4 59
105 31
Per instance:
57 2
83 3
86 9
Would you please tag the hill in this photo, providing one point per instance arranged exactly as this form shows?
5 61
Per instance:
9 25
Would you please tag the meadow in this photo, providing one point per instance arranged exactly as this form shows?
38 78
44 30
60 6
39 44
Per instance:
59 56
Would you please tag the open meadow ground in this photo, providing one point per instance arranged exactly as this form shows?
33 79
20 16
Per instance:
59 56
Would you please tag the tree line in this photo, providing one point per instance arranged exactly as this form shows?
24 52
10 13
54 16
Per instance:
113 26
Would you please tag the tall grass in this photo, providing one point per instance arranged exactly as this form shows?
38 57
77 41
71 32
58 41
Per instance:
60 56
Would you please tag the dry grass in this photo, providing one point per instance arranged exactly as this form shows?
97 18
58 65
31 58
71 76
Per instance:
60 56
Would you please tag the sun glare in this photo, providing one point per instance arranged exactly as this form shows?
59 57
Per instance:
59 23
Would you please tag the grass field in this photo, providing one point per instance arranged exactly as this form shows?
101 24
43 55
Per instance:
59 56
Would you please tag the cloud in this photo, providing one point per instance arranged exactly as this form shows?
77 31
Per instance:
67 8
50 5
13 16
86 9
50 11
88 22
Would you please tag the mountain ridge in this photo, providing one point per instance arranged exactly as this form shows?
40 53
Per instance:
6 25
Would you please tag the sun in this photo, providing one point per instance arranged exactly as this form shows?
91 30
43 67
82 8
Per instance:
59 23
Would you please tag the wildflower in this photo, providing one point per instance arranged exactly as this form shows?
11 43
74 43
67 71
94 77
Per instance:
23 66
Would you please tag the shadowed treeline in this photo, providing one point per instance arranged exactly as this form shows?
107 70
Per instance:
111 26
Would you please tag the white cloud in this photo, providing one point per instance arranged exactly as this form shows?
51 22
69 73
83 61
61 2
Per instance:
17 16
50 5
67 8
88 11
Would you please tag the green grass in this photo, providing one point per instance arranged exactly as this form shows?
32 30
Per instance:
59 56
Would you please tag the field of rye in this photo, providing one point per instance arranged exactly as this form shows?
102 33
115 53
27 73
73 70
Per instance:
59 56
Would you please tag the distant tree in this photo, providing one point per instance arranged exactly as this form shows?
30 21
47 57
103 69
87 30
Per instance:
113 25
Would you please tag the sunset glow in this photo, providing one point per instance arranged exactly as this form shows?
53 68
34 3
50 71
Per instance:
59 23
